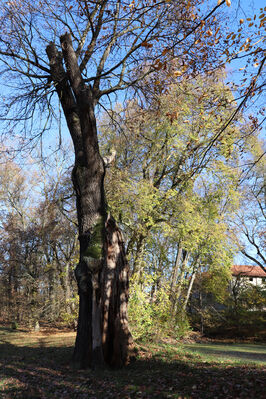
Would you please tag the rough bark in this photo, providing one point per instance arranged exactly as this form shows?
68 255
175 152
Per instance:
116 334
102 272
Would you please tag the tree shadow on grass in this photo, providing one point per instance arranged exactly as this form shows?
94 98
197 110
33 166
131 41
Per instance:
44 372
6 329
35 372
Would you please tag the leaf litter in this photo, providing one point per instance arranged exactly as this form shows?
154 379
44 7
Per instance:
159 371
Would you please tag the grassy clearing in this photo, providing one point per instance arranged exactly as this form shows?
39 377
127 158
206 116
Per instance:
240 353
36 366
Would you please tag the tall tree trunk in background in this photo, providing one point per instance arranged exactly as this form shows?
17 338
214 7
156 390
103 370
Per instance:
175 270
10 304
185 256
12 281
156 284
137 270
190 286
102 272
67 288
65 283
201 313
51 290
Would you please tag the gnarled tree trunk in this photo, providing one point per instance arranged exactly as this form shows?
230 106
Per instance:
102 272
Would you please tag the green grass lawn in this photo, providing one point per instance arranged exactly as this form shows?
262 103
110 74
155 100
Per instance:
36 366
237 352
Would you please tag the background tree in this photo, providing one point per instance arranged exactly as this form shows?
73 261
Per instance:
38 245
159 150
248 228
176 209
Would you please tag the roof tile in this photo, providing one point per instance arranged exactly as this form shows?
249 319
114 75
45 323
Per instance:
248 270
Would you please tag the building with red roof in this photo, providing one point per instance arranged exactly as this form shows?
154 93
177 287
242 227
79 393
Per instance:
254 274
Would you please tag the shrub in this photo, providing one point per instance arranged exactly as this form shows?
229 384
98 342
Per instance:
70 318
151 317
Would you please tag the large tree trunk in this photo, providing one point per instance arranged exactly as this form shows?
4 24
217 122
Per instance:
102 272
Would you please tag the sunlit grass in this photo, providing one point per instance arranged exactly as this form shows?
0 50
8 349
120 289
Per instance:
237 353
37 339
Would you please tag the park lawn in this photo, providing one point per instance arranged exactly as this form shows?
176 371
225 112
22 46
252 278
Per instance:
242 353
36 365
